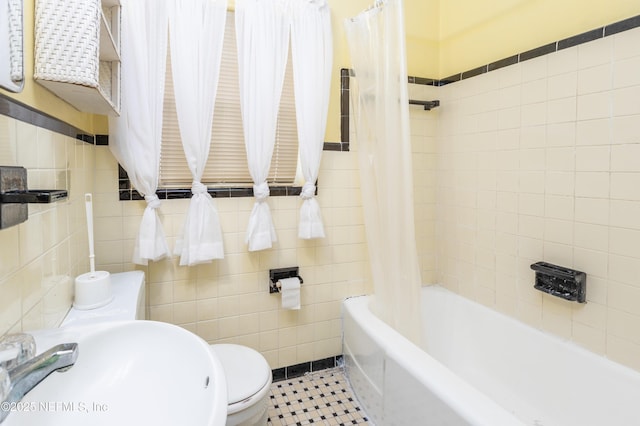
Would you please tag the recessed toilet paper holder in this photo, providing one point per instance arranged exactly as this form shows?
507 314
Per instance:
276 275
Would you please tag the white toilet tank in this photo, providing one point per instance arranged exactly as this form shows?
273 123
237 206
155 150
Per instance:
128 302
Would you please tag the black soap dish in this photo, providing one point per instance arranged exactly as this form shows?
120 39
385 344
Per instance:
566 283
15 197
33 196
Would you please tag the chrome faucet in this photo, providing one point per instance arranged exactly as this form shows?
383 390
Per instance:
21 370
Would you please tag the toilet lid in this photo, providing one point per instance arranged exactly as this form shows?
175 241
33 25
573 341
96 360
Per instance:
246 370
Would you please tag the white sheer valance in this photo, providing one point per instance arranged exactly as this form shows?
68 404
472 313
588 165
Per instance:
312 54
196 32
262 31
135 136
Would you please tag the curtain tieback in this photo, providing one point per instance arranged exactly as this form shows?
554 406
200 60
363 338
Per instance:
261 191
308 191
198 188
153 202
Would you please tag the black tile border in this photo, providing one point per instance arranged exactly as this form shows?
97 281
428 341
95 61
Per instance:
511 60
587 36
343 145
25 113
620 26
581 38
474 72
126 192
299 370
608 30
102 140
538 51
22 112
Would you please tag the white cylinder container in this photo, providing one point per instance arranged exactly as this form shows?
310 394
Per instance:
92 290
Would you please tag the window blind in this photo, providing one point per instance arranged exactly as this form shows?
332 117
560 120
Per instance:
227 164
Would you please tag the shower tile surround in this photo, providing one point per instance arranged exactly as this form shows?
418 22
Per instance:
534 160
540 160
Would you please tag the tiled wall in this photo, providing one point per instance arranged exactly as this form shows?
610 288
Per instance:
40 258
228 300
541 161
424 144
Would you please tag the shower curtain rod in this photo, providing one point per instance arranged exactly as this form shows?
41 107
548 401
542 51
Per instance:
428 105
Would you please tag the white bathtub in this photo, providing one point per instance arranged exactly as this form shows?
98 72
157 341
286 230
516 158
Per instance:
480 367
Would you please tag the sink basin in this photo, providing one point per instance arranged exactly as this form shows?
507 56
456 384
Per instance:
128 373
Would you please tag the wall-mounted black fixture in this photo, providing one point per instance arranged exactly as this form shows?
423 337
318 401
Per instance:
428 105
562 282
276 275
14 196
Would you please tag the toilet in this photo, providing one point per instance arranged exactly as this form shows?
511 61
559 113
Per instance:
247 372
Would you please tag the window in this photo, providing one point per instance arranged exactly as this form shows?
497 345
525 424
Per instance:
227 164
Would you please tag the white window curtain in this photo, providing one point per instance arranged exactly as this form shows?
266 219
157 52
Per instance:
376 41
262 31
135 136
196 35
312 54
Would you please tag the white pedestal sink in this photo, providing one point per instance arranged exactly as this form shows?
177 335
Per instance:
128 373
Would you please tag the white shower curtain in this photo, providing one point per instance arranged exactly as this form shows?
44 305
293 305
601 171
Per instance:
196 34
135 136
262 31
312 55
377 45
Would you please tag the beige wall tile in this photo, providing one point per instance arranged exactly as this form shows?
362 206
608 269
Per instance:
625 101
593 132
592 210
592 184
595 53
577 195
588 236
40 256
624 269
625 158
626 129
625 186
595 79
623 351
594 106
625 214
561 111
590 338
624 45
592 159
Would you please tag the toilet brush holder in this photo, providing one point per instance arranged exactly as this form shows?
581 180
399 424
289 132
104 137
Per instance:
92 290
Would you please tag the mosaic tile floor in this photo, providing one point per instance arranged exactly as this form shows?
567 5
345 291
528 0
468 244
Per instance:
322 398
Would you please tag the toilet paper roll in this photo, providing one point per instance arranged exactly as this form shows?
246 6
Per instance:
93 290
290 291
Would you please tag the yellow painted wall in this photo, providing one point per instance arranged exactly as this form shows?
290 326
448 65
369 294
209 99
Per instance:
421 43
422 33
444 37
475 33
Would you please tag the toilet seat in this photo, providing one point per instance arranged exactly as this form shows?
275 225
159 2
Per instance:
248 375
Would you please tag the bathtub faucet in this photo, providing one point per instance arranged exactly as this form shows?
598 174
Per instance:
21 370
